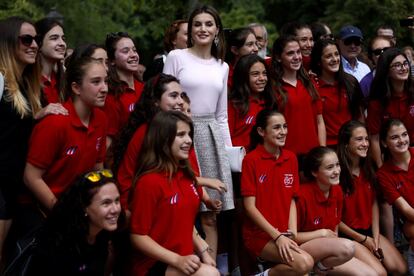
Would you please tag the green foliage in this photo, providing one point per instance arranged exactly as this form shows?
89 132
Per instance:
20 8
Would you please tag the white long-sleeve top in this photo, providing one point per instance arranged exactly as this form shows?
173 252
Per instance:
205 82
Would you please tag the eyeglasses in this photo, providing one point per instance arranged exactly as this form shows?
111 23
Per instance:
399 65
353 40
95 176
379 51
27 39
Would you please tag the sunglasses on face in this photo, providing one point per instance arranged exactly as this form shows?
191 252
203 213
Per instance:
95 176
379 51
353 40
27 40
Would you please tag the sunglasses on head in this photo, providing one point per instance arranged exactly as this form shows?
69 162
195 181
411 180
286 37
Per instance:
27 39
96 176
353 40
379 51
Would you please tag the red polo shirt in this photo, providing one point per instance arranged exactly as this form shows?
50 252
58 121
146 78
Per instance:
300 113
396 182
65 148
357 210
166 211
315 211
335 109
241 125
398 108
274 183
50 89
118 109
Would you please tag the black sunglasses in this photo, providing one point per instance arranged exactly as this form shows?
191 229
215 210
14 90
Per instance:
353 40
27 40
379 51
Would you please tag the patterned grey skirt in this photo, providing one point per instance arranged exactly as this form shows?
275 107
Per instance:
212 159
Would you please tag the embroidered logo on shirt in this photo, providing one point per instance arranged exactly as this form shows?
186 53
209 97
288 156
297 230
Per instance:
317 221
71 150
249 120
412 110
288 180
262 178
194 189
174 199
131 107
98 143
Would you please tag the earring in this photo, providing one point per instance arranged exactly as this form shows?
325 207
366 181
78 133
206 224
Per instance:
216 41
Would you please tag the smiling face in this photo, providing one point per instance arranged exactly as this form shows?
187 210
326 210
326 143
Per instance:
291 57
399 69
181 146
172 99
329 170
54 45
397 140
274 135
26 54
204 29
126 55
104 210
330 59
305 38
359 143
93 89
257 78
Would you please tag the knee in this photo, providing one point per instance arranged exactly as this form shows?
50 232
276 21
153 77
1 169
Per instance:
303 264
347 250
207 270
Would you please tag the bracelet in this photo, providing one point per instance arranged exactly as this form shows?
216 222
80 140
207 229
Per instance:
364 240
275 240
205 249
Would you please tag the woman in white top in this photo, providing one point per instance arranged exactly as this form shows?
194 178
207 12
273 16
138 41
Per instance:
203 75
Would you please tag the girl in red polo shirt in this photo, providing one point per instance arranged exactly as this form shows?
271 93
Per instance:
124 89
340 92
391 96
52 51
396 177
268 185
297 98
319 207
251 93
360 213
62 147
165 203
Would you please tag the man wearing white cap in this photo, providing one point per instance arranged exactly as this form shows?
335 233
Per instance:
350 41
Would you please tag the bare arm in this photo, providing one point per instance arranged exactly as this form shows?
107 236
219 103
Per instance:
375 224
35 183
321 130
212 183
202 249
405 208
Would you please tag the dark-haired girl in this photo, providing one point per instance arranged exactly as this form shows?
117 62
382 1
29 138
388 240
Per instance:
391 96
251 93
124 89
360 215
52 49
75 239
319 207
165 203
270 180
396 177
340 92
297 98
62 147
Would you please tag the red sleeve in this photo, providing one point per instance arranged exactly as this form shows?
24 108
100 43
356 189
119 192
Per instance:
296 184
102 152
374 117
194 162
318 106
46 141
111 110
231 117
148 193
127 168
340 196
388 188
248 183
